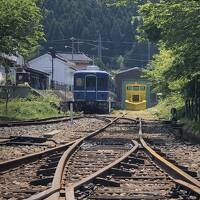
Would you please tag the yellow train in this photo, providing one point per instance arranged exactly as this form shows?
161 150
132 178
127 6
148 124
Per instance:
135 97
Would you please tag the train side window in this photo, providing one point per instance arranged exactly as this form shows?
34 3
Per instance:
102 84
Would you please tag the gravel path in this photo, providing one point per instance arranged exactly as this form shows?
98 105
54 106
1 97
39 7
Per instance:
68 132
185 153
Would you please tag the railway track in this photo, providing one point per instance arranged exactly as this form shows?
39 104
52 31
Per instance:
114 162
19 141
113 165
22 177
51 120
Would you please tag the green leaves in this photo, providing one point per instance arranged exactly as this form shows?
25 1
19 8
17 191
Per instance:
174 26
20 26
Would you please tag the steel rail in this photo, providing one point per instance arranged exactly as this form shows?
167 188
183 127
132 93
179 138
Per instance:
70 190
56 184
179 176
14 163
38 122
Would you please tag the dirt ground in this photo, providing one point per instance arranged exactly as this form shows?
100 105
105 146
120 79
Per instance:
144 114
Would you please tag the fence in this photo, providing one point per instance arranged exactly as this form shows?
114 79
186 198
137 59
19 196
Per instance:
192 108
55 85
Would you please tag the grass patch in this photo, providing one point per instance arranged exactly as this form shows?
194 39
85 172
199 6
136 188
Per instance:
163 109
31 107
195 126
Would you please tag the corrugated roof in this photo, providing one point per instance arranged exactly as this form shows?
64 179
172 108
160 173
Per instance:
131 69
91 71
76 57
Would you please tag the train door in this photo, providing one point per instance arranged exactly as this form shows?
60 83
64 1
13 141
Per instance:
91 87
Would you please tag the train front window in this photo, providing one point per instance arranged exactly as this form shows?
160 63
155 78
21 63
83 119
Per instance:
90 82
79 83
135 98
135 87
102 84
132 87
142 88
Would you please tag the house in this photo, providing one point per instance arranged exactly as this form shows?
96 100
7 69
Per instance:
36 79
80 59
63 70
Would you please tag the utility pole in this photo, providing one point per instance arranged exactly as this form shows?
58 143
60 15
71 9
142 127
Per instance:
53 55
93 59
78 46
72 39
149 50
100 47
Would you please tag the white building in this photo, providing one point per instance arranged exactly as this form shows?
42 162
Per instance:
63 69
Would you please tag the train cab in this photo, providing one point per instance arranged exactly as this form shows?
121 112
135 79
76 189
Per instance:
135 97
92 90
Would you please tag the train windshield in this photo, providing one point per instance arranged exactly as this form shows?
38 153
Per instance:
102 84
135 98
91 82
79 83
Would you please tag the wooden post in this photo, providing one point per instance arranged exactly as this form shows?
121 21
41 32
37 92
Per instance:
71 112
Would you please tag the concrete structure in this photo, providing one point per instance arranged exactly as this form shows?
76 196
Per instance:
132 76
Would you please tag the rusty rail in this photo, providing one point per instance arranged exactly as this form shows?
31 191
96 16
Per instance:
178 175
70 190
10 164
56 185
37 121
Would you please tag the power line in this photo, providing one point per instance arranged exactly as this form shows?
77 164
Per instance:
115 57
96 41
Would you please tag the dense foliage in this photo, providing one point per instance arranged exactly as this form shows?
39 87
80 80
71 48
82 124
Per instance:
174 26
20 26
85 20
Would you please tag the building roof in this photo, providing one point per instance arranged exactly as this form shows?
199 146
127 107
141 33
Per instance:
77 57
131 69
132 73
58 57
91 71
28 69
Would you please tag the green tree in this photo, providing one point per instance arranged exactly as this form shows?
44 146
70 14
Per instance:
85 20
20 31
20 26
174 26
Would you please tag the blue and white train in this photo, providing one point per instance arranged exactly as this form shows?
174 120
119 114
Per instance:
93 91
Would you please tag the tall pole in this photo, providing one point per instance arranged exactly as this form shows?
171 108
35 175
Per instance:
78 46
53 55
149 50
93 59
100 47
72 39
52 64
